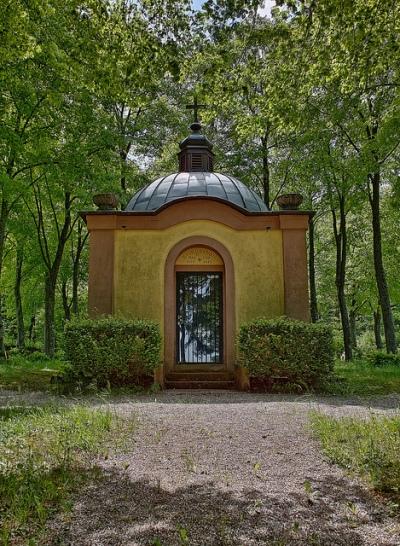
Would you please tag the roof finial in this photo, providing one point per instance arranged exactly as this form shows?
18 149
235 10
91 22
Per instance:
196 150
195 107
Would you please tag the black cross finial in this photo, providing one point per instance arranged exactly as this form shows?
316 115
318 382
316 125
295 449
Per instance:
195 107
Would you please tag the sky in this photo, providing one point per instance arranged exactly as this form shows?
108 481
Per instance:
268 5
266 10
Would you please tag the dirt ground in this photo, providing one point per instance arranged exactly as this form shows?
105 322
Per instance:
226 468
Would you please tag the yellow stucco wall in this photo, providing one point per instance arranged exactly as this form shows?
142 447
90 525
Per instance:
140 260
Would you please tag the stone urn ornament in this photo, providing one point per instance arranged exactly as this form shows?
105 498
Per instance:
289 201
105 201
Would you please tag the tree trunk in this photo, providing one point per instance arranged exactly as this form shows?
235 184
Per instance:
265 170
123 155
76 269
311 272
341 257
66 307
4 213
380 275
348 350
2 328
75 286
49 306
377 328
18 299
31 330
51 281
353 327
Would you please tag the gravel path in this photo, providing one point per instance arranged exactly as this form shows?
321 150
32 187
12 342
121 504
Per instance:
221 468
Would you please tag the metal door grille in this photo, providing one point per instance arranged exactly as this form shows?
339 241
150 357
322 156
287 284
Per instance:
199 318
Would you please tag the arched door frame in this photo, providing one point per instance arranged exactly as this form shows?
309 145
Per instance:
170 302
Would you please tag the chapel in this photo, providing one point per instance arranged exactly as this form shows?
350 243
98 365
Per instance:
198 252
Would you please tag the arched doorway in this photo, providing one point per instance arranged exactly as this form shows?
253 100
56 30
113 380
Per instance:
199 315
199 301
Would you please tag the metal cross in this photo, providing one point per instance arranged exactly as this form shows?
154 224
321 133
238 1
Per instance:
195 107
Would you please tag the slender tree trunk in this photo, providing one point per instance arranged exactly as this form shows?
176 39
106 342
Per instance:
341 257
49 307
380 275
123 155
18 299
66 307
76 269
51 281
31 330
4 213
265 170
353 327
75 286
377 328
311 272
2 327
348 350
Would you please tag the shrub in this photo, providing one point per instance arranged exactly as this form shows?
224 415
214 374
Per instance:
111 351
301 352
37 356
379 358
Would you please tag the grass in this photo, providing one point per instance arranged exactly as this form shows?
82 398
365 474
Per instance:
361 378
45 455
33 372
369 447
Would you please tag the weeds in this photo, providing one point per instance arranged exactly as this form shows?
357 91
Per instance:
188 459
45 454
183 535
370 447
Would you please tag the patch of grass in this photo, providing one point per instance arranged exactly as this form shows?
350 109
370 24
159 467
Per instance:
33 372
188 459
369 447
363 379
45 455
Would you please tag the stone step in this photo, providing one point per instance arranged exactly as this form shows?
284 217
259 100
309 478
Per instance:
198 384
199 376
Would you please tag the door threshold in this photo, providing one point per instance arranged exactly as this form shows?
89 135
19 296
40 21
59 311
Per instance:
199 368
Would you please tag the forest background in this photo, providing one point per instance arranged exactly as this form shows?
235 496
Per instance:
305 98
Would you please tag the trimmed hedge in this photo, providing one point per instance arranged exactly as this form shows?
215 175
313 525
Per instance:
299 351
111 351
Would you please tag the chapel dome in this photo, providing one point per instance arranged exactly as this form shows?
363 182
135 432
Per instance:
196 178
183 185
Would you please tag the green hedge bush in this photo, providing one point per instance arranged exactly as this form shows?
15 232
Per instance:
299 351
111 351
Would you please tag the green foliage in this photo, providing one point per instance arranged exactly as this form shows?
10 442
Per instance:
370 447
362 378
300 351
380 358
30 372
110 351
83 84
45 454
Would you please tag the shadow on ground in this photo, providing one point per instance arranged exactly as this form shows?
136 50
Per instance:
116 511
388 402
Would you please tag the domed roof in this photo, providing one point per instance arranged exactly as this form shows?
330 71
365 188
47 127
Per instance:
183 185
196 178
